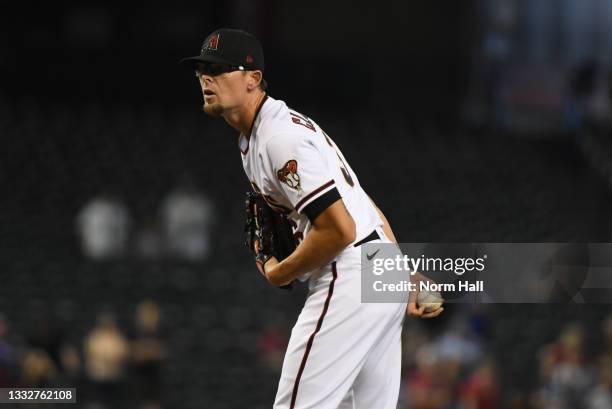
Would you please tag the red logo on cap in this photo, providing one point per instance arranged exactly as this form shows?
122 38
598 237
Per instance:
213 43
249 59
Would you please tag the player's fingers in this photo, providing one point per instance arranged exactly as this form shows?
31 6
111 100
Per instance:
414 310
433 314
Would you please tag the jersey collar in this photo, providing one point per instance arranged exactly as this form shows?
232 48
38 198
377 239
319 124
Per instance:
244 140
256 117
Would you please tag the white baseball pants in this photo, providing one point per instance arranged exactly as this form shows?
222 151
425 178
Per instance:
343 354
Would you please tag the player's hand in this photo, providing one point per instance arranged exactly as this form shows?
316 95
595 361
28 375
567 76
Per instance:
413 308
416 311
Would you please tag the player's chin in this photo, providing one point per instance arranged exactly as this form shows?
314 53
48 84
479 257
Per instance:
214 109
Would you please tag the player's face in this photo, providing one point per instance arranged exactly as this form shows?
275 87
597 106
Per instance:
223 87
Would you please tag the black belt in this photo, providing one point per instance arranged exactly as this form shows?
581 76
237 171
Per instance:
370 237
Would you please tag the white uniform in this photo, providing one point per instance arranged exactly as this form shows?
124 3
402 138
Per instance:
342 353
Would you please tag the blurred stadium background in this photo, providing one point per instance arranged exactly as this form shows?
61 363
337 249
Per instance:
121 244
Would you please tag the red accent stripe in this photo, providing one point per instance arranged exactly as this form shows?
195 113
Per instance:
311 194
311 339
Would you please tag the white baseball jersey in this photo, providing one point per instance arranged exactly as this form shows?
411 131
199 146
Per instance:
300 171
342 354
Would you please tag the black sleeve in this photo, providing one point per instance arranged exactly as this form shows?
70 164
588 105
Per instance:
317 206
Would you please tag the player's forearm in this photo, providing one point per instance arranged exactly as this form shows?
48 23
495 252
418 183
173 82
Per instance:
319 247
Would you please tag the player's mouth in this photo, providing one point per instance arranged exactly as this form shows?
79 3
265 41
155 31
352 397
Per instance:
208 93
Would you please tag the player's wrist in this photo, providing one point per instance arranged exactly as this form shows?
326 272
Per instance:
271 271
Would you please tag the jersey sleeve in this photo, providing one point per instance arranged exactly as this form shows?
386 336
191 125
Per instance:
302 174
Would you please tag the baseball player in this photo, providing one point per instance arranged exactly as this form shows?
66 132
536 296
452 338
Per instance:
342 353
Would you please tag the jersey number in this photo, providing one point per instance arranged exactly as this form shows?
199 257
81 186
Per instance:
301 120
343 167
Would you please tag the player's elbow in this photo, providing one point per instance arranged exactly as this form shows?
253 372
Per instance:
276 280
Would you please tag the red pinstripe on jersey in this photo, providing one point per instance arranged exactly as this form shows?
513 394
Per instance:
312 336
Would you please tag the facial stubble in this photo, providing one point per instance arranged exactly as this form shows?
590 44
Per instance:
214 109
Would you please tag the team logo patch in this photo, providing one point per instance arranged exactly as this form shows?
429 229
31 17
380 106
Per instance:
249 59
212 44
288 174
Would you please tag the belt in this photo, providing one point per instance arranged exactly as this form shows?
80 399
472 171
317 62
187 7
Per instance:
370 237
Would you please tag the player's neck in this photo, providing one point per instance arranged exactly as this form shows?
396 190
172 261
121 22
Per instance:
243 117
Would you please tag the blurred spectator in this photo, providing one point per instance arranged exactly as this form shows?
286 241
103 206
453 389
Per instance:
481 389
147 352
414 337
186 216
103 225
437 381
459 344
433 383
601 396
565 377
106 352
568 348
37 369
46 342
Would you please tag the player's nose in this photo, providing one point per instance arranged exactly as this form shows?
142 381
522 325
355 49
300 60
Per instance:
207 78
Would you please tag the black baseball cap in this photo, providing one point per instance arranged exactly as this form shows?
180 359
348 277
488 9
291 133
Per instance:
232 47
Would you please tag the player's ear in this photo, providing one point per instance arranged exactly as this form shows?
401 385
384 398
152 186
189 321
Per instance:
255 78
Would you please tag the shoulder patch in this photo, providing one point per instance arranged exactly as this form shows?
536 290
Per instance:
288 174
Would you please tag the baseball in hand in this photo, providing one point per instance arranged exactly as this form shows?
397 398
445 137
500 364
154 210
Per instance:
431 300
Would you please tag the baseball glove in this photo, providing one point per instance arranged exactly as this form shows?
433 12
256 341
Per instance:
267 233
